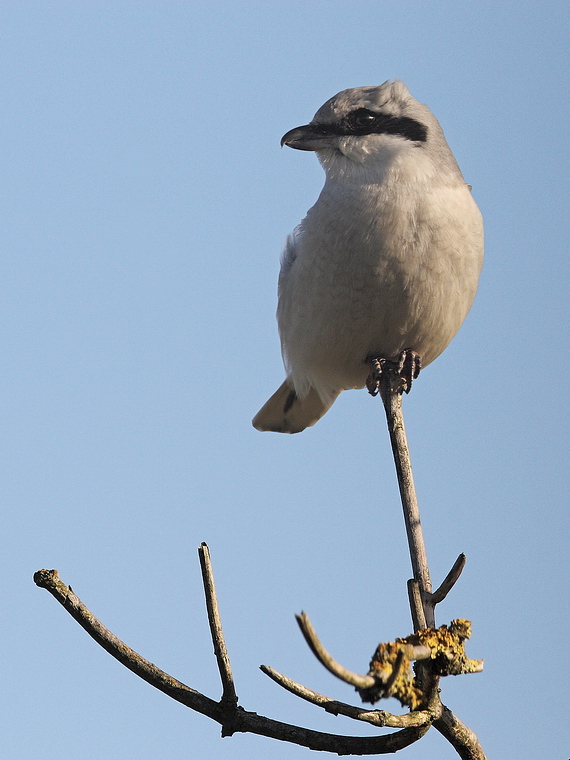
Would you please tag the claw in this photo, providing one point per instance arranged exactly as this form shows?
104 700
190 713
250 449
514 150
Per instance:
373 379
407 368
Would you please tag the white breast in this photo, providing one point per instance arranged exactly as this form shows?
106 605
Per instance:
376 271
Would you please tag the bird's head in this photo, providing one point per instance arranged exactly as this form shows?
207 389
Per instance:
369 127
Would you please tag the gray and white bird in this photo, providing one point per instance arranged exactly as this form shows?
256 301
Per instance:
388 259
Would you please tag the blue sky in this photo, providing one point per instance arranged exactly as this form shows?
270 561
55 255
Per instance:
144 204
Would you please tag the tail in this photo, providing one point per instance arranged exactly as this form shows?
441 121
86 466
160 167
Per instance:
285 412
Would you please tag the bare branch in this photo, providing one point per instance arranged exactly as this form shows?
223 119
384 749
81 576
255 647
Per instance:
449 581
220 650
50 580
232 719
459 735
334 667
379 718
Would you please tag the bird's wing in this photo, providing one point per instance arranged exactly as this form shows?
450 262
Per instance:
289 254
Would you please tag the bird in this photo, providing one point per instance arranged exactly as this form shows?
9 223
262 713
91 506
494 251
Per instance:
385 265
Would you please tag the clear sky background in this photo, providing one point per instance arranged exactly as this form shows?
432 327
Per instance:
145 201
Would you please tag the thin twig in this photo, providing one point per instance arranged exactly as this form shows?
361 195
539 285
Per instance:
214 621
379 718
449 581
390 391
334 667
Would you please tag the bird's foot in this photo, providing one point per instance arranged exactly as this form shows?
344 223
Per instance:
407 368
377 366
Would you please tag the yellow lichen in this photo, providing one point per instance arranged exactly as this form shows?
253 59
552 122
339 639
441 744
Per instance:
448 657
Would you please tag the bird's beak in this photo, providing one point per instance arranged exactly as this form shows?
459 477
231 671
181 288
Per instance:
307 137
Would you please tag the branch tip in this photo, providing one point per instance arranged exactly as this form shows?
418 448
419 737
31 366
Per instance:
449 581
46 578
229 695
334 667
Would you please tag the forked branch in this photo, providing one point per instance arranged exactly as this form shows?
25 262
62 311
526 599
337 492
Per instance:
378 718
231 717
390 673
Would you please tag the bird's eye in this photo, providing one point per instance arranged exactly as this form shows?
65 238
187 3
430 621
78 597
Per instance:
362 118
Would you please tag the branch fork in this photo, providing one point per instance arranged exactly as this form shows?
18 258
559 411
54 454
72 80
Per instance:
226 711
